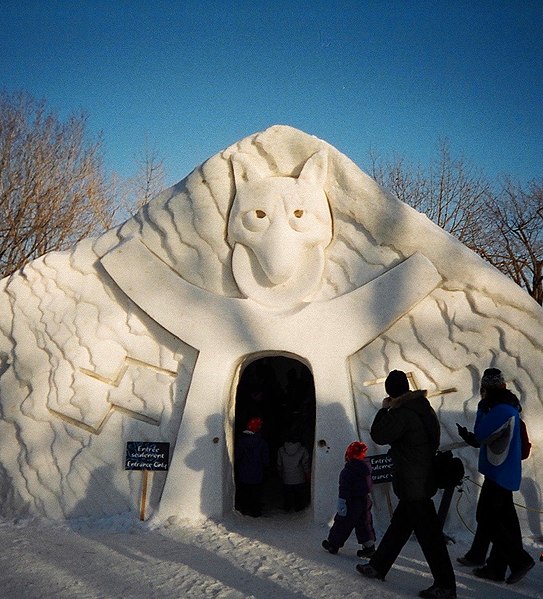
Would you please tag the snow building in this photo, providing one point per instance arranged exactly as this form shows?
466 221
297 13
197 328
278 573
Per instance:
277 279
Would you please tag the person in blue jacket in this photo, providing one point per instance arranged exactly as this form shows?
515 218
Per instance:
497 429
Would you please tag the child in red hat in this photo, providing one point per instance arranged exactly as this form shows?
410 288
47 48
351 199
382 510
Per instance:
251 460
354 503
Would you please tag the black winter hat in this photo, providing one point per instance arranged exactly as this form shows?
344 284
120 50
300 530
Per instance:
492 378
396 383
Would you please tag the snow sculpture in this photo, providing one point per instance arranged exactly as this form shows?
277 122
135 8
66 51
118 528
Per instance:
277 246
278 229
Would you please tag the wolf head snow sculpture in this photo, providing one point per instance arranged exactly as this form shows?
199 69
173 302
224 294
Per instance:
279 228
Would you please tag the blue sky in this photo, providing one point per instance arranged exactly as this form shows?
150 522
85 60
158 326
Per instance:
194 76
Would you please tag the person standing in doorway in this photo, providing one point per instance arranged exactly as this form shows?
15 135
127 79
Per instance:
294 468
408 423
252 457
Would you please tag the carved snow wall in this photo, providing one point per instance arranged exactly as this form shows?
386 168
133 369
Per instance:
279 245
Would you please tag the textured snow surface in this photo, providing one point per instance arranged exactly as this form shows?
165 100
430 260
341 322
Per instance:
271 557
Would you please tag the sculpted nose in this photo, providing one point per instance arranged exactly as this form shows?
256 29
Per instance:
279 252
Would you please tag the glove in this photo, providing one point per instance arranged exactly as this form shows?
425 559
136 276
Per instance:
468 436
341 507
462 431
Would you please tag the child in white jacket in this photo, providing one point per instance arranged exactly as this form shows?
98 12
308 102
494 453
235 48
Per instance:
294 467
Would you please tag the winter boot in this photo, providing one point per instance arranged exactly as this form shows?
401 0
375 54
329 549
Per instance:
438 592
329 547
366 552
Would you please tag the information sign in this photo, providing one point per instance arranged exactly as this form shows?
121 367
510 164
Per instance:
381 468
146 455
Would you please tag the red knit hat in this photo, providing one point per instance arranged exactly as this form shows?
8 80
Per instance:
254 424
356 451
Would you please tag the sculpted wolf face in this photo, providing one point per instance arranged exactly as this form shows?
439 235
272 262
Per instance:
279 228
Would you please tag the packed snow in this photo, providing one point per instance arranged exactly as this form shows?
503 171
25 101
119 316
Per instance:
275 556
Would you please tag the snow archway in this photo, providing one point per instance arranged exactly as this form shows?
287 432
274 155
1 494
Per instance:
281 391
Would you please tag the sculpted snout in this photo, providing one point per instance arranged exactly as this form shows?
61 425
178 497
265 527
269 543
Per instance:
280 249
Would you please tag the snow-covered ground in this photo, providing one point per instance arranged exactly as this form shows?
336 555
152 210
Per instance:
277 556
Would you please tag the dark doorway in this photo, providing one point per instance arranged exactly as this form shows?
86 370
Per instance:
281 392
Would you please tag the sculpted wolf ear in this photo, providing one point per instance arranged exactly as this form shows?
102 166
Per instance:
315 170
244 168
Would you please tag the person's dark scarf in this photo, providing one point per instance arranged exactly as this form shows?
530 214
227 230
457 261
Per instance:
493 397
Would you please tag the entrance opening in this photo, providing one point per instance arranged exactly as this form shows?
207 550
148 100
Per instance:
281 392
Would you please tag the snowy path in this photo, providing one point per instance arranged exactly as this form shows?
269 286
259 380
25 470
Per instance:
277 557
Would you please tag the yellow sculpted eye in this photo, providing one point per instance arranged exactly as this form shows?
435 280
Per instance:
260 214
298 213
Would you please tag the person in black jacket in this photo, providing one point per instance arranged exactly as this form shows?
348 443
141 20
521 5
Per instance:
408 423
252 458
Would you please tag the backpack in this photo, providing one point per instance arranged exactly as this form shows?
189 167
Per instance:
448 469
525 445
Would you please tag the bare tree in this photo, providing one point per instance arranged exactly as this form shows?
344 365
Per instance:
450 192
52 188
502 222
148 181
151 177
513 222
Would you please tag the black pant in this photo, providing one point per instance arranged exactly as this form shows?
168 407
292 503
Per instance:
419 517
479 546
358 518
249 499
498 520
294 497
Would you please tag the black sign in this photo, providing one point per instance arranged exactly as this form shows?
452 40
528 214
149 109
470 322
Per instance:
146 455
381 468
